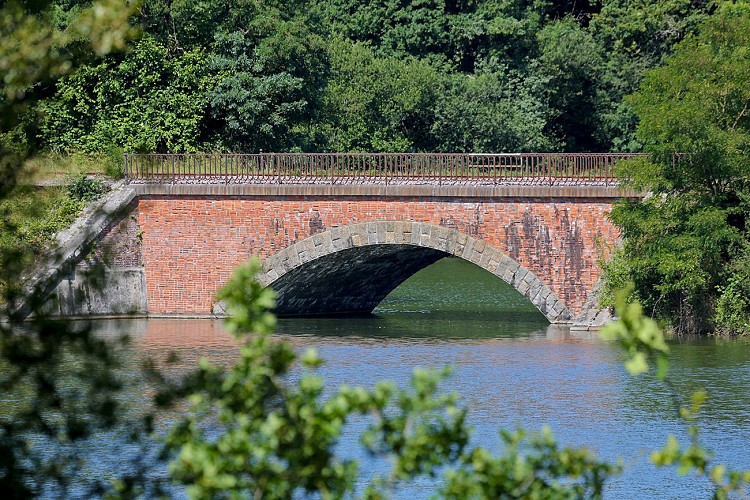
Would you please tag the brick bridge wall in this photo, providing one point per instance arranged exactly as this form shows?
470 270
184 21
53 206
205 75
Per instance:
192 242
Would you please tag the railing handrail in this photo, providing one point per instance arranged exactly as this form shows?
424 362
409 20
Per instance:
358 167
359 153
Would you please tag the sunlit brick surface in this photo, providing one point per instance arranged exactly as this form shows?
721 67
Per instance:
191 244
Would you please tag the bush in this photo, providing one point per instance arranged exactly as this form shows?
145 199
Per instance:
84 188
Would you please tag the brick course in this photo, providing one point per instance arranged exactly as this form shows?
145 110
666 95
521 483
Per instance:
190 244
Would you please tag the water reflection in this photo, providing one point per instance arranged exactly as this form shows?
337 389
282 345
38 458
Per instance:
510 368
548 375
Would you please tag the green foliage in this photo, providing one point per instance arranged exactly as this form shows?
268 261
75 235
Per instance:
635 37
568 63
733 306
400 29
376 104
47 51
32 217
350 75
58 381
248 302
267 81
248 75
668 253
143 101
84 188
681 242
538 470
63 386
491 112
32 52
639 336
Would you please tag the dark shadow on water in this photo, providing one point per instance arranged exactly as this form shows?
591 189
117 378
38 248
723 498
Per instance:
434 324
450 299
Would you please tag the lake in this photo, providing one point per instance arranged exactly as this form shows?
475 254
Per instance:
511 368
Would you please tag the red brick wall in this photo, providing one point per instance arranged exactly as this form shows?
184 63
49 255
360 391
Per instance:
192 244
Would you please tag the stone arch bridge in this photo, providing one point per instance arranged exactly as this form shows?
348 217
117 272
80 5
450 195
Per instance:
331 248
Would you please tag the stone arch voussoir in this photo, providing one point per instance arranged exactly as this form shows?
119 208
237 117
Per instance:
418 234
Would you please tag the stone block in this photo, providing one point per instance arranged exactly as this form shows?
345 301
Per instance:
398 233
450 242
529 277
487 254
519 275
478 253
302 254
293 258
468 249
381 230
536 292
443 234
424 239
327 242
522 287
416 233
310 248
460 246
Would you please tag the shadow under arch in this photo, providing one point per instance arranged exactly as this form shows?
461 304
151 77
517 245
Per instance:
350 269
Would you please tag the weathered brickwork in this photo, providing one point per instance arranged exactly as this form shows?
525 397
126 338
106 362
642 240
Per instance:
191 244
119 244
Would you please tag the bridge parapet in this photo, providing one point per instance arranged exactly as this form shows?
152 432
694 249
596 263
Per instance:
478 169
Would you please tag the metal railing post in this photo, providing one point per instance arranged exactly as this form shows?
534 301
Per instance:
274 165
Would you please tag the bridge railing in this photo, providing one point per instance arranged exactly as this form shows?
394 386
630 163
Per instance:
376 168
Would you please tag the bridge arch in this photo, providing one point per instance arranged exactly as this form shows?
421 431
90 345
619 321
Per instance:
351 268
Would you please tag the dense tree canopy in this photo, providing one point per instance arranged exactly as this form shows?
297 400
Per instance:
686 246
355 75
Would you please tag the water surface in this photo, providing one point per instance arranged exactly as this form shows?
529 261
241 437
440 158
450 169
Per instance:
511 368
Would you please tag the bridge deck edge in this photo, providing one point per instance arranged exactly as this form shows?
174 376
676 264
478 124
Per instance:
396 191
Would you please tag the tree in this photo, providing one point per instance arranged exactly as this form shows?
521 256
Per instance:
491 112
635 37
376 103
145 100
58 379
685 245
270 74
569 63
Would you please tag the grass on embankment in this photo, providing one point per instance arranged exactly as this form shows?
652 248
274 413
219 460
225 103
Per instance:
53 168
31 215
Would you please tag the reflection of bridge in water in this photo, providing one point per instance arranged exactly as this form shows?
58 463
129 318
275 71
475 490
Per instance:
337 232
